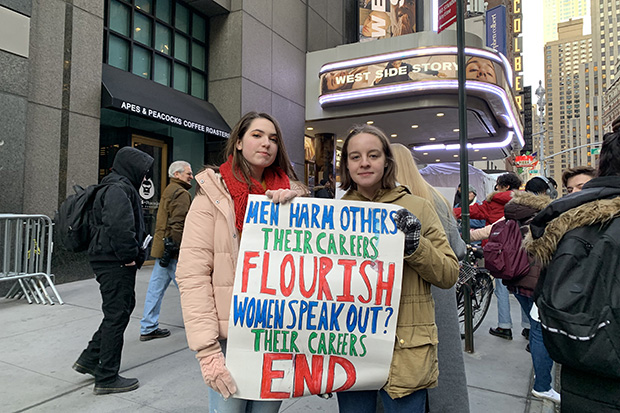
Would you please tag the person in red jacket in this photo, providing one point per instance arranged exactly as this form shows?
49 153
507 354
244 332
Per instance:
492 208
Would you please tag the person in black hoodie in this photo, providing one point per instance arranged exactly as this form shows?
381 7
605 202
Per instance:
595 205
115 254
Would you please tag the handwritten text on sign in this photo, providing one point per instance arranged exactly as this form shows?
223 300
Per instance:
315 299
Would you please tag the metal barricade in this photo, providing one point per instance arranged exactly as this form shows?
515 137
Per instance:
27 257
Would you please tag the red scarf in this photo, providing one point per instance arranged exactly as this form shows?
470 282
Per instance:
275 178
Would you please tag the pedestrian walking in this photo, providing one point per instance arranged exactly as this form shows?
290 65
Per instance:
257 163
173 207
115 252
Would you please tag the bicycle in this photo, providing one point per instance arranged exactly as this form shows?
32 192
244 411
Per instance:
481 289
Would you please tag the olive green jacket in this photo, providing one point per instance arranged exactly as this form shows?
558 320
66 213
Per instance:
173 207
414 363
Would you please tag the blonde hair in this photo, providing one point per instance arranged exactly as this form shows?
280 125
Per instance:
407 174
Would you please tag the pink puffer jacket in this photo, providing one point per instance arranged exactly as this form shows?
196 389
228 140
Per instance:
206 268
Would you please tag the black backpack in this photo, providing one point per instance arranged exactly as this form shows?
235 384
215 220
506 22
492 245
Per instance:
578 298
72 220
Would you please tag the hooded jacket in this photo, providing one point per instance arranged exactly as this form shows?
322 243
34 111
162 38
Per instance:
173 207
414 363
490 209
118 231
523 208
596 204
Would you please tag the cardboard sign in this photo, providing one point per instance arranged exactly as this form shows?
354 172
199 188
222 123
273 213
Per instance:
316 298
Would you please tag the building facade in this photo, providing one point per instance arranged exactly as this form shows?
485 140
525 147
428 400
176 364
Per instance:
573 107
80 79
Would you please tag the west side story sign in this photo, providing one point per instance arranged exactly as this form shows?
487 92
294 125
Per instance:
316 298
171 119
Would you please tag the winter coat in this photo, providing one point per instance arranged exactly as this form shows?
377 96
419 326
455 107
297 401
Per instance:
597 203
414 363
173 207
490 209
451 227
451 394
117 230
523 208
207 262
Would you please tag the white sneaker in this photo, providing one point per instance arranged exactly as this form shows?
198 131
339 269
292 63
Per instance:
550 394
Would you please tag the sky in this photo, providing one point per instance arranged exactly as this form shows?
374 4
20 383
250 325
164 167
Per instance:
533 46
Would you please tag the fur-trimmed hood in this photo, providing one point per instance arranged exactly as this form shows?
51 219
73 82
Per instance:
597 204
524 206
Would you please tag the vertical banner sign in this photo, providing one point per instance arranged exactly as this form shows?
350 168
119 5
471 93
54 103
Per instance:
446 15
496 29
315 299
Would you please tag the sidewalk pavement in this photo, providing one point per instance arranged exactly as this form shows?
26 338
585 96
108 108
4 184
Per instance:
40 343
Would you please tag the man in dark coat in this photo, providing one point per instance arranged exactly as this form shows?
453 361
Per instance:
115 254
595 205
173 207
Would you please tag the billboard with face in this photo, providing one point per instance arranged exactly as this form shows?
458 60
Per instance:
379 19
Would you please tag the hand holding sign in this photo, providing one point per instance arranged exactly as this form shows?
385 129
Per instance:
216 375
410 225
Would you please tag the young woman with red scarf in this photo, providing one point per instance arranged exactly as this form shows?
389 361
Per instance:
257 163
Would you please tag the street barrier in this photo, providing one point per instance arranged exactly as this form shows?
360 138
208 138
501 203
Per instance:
27 257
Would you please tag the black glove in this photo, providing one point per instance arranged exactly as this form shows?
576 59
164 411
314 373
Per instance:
170 251
410 225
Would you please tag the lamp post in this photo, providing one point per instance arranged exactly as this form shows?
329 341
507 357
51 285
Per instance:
540 92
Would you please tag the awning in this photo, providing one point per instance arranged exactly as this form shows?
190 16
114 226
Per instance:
133 94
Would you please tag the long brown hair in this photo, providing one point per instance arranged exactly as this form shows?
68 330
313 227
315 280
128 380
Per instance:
389 176
240 164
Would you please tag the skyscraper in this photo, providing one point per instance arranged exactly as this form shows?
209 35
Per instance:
556 11
572 77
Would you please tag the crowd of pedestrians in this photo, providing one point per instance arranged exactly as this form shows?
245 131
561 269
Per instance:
196 245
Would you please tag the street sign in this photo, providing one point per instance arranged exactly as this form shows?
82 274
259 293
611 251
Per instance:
595 151
447 14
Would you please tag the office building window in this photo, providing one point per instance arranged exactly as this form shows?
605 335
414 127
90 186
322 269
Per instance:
161 40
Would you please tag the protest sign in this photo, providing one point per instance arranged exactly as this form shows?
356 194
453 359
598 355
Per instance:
316 297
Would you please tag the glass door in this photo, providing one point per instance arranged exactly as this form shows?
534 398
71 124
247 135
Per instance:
154 185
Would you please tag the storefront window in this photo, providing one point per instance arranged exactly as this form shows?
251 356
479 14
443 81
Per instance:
199 28
142 29
181 48
162 70
198 85
141 62
181 21
118 53
198 56
145 5
181 78
172 40
163 10
163 39
119 18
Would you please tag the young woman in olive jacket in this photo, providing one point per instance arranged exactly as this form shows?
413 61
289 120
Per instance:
368 172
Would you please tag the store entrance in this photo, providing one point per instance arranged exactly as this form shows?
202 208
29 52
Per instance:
154 185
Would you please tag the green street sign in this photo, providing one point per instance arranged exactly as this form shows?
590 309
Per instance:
595 151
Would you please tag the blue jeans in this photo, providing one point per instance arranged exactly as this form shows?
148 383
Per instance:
504 320
366 402
540 357
160 280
